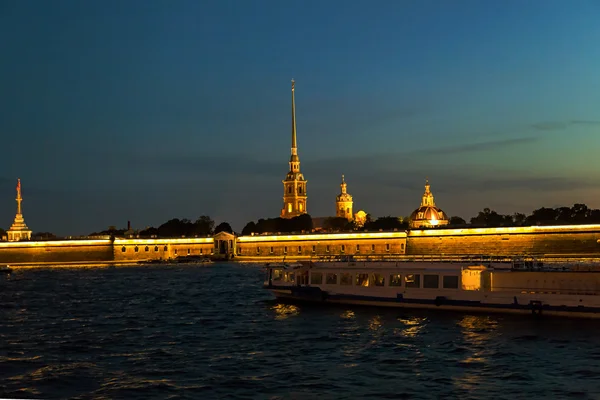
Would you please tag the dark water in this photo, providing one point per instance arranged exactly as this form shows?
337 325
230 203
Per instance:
203 332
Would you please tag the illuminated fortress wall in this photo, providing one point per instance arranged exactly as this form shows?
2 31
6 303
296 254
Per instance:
55 251
156 249
301 247
579 240
535 240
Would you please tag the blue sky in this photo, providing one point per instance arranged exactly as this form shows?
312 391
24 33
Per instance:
150 110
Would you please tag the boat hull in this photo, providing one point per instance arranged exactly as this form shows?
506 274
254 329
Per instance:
298 295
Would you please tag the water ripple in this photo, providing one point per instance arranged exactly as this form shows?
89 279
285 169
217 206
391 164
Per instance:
212 332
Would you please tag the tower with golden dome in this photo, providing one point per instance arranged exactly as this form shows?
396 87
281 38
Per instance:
19 230
343 202
294 184
428 215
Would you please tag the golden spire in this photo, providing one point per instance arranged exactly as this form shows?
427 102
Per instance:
294 144
19 198
343 185
427 196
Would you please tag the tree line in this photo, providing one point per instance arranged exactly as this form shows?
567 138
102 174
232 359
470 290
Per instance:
202 227
205 226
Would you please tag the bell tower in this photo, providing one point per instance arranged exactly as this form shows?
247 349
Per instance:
343 203
294 184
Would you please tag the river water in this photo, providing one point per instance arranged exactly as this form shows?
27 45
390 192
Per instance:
211 332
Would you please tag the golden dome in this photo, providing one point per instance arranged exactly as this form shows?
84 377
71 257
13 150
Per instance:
428 215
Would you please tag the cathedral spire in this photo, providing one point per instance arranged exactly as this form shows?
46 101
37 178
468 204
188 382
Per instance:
294 185
294 144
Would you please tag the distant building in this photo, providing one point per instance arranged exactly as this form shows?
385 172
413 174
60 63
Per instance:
294 185
428 215
19 230
343 203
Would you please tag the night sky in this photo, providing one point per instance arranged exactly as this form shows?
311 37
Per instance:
151 110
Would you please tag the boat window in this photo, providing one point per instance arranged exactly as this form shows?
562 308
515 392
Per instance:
377 280
412 281
189 252
316 278
277 274
314 249
431 281
285 250
387 247
327 248
271 250
258 250
346 279
396 280
343 248
331 279
123 249
299 249
358 248
136 249
450 282
174 251
362 279
289 277
201 250
372 247
155 248
402 246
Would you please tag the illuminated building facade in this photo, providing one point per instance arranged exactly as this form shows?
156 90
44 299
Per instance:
343 203
428 215
19 230
294 185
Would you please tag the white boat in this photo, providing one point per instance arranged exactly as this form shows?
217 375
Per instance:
515 286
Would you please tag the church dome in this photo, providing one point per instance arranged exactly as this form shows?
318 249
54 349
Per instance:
428 215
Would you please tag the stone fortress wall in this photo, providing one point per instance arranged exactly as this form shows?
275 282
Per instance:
57 251
550 241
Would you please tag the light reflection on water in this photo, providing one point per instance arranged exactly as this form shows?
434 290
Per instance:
285 311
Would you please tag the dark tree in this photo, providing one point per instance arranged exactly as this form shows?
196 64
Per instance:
249 229
223 227
386 224
275 225
457 221
519 219
204 226
40 235
542 216
149 232
491 218
335 224
175 228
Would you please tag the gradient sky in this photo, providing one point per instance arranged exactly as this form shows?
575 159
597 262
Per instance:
151 110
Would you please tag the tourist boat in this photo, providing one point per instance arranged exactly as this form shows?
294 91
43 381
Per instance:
510 286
